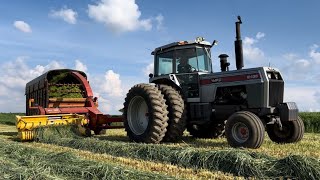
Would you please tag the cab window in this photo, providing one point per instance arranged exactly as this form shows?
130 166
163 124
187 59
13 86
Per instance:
165 63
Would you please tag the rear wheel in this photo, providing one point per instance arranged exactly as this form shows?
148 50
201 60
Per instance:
177 113
292 131
145 114
244 129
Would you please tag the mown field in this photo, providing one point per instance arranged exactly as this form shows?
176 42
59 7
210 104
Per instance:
64 155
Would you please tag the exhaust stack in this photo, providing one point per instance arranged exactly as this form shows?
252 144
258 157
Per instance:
238 45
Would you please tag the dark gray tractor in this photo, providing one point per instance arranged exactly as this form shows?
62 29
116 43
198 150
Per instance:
184 93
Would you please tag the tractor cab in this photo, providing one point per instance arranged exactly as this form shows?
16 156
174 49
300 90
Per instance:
183 57
180 64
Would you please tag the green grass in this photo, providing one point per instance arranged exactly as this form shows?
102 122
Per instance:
271 160
21 162
235 161
9 118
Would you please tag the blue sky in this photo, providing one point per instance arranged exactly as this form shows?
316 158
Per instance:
112 40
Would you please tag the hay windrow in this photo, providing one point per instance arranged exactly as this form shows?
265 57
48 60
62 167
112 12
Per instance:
60 131
48 165
235 161
138 164
12 171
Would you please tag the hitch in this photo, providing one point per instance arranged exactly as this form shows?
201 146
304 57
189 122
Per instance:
277 121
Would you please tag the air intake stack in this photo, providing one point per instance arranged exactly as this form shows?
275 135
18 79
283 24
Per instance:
238 45
224 65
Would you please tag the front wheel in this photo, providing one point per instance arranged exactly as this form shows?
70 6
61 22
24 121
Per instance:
292 131
244 129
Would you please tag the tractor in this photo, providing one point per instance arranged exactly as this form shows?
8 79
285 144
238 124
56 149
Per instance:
185 93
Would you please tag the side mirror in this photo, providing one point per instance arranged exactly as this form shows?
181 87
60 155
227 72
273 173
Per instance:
214 43
150 75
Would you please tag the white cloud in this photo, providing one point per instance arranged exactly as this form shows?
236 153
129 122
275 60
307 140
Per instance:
111 89
302 64
250 52
14 76
17 73
298 70
112 84
148 69
304 97
119 16
68 15
159 20
80 66
314 54
302 68
22 26
260 35
290 56
317 96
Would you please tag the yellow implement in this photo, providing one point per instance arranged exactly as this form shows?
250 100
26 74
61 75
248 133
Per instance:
27 124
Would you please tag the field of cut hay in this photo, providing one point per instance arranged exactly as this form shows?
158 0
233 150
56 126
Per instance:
64 155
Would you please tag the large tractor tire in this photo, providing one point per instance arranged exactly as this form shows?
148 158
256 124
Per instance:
245 129
207 130
177 113
292 131
145 114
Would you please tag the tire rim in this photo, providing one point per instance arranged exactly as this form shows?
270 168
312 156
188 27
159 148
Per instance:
240 132
138 117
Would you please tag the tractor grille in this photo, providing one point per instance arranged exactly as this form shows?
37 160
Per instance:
275 92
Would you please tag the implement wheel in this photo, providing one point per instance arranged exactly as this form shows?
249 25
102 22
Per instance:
244 129
177 113
145 114
292 131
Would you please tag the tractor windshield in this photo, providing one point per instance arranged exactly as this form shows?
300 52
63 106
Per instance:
186 60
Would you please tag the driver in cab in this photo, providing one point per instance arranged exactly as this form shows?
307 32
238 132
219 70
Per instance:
183 66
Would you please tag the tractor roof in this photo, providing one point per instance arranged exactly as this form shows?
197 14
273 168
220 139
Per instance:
199 41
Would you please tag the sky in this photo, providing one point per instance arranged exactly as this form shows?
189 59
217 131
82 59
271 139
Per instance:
112 41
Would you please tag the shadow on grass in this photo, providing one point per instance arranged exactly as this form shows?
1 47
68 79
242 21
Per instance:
8 133
203 143
113 138
188 141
